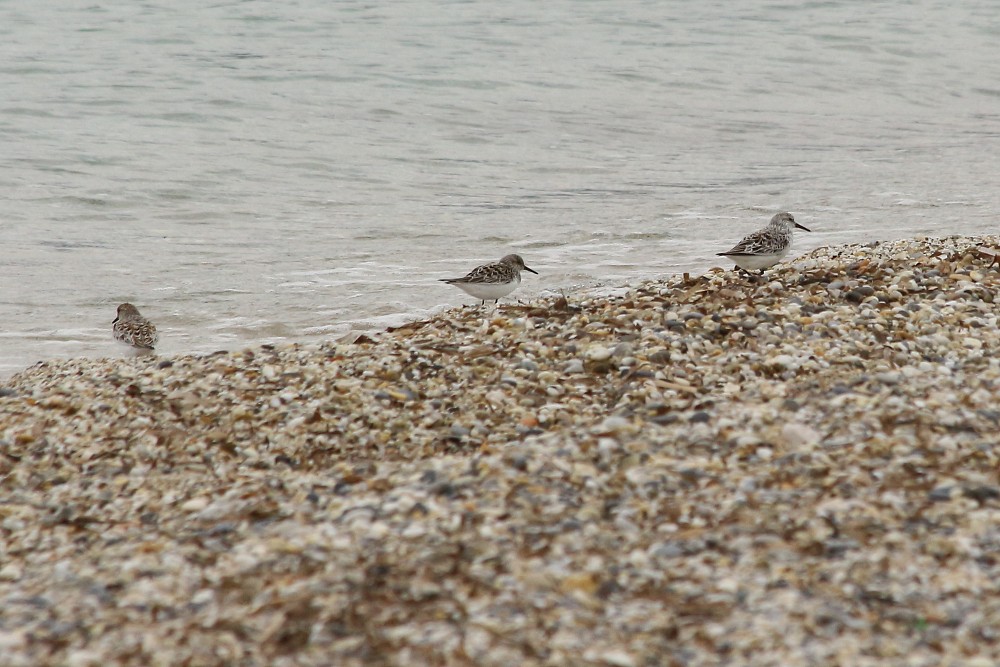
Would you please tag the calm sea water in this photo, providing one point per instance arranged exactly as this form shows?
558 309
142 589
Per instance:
268 170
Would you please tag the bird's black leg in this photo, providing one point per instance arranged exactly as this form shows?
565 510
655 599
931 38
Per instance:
753 277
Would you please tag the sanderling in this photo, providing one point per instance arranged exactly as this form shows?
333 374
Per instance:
492 281
132 328
765 247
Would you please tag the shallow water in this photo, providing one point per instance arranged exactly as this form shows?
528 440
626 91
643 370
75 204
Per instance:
248 172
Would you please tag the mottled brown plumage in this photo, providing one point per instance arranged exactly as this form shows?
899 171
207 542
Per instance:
133 329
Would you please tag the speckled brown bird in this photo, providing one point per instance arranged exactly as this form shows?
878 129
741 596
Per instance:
133 329
492 281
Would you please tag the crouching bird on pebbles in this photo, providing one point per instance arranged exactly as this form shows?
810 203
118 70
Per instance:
767 246
133 329
492 281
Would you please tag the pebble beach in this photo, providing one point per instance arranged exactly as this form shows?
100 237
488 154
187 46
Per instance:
799 470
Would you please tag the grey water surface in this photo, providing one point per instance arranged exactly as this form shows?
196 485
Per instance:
293 170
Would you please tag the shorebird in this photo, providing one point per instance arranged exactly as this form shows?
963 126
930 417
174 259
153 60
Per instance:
492 281
765 247
133 329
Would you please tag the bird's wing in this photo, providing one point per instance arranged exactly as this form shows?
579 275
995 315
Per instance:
487 273
763 242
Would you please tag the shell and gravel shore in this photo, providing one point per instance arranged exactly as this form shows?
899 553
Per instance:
698 471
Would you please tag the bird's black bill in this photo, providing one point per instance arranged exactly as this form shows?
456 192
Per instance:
114 321
532 270
801 227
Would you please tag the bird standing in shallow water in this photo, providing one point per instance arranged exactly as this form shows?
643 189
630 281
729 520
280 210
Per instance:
492 281
767 246
133 329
